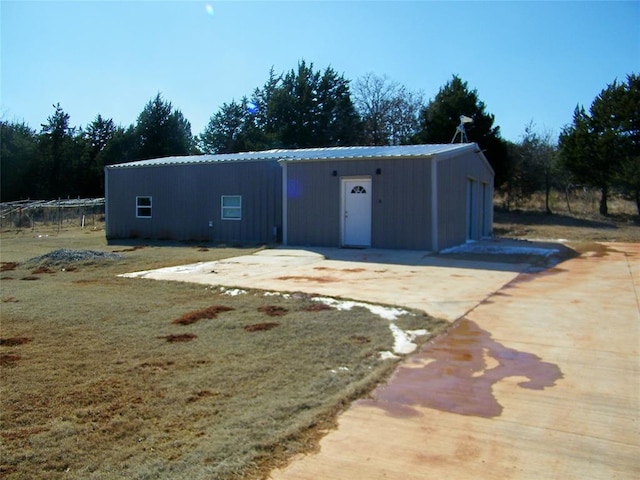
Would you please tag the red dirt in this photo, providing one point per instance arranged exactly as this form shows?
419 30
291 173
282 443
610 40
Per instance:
200 394
7 266
311 279
348 270
197 315
179 337
317 307
86 281
273 310
6 470
14 341
7 359
43 270
359 339
261 327
21 433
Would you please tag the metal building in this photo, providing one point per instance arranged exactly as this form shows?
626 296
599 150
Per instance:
426 197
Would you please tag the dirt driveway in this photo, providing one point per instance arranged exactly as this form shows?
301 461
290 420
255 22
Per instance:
541 380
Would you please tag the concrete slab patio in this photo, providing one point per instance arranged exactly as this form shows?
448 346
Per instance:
443 287
540 380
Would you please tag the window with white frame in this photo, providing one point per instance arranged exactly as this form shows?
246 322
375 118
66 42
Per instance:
231 207
143 207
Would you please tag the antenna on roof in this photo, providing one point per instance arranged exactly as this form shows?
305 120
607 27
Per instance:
460 129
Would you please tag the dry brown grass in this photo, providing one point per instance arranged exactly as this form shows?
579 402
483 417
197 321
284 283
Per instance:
582 224
101 391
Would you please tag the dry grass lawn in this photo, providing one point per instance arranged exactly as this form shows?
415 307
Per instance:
583 224
107 377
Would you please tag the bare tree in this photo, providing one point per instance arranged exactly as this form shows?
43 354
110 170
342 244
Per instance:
542 154
390 112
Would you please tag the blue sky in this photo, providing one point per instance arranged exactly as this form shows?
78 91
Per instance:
527 60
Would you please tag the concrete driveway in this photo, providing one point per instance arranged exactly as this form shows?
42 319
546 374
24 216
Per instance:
540 381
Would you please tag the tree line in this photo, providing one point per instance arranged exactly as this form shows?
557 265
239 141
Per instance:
306 107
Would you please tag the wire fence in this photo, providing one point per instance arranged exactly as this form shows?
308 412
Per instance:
30 214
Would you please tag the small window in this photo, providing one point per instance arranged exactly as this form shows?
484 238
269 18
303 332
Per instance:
232 207
358 189
143 207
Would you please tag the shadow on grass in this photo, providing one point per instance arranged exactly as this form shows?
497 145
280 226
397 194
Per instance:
541 218
138 243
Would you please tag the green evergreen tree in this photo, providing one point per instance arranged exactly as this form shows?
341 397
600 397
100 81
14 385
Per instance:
628 176
338 123
162 131
18 156
440 118
598 146
53 175
97 137
229 130
302 108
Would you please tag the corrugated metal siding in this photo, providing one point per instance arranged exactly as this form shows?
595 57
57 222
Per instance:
187 197
453 175
313 204
401 208
402 205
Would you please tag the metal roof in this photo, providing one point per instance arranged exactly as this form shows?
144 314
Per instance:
310 154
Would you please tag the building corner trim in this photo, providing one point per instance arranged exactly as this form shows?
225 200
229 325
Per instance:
434 204
106 202
285 221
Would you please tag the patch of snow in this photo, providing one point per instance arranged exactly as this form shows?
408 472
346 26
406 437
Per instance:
340 369
388 313
403 341
387 355
192 268
417 333
277 294
500 249
234 292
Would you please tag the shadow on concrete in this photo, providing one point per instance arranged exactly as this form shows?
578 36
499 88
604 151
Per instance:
495 254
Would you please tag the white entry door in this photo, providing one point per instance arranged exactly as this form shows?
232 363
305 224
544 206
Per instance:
356 204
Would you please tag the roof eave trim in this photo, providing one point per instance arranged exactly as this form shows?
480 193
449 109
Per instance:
364 157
